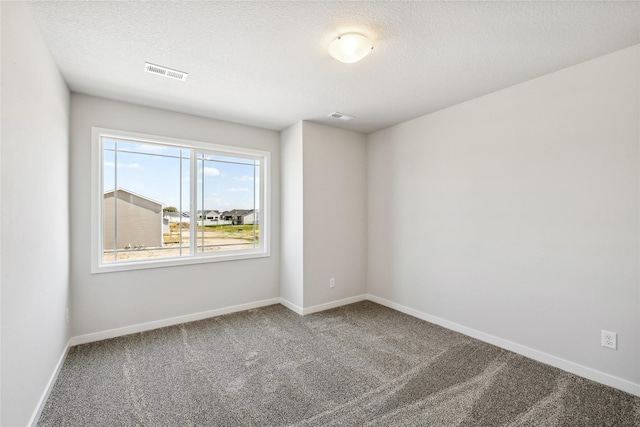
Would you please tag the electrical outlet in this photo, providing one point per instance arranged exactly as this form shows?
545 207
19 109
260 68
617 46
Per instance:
609 340
332 282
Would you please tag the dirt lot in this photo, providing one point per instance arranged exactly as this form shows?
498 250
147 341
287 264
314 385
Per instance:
222 239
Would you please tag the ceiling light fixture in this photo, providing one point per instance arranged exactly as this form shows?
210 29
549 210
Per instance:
340 116
350 47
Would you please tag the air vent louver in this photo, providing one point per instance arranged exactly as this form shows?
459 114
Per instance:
164 71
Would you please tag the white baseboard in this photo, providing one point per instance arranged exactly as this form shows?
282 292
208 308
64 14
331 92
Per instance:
575 368
141 327
333 304
47 391
291 306
321 307
565 365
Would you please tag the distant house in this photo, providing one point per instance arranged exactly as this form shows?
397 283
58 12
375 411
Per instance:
139 220
240 216
212 216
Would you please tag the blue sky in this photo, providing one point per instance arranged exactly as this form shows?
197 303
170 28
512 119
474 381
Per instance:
154 171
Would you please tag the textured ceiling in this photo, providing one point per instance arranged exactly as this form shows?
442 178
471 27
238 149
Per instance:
266 63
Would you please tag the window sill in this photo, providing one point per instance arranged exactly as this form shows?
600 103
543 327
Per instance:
174 262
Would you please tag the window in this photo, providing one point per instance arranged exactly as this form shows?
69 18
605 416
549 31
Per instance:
162 201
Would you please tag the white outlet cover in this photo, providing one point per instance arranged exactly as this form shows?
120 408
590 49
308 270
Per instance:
609 340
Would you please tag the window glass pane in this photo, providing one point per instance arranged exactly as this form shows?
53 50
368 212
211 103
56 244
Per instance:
149 211
142 201
144 148
108 144
185 205
108 184
227 204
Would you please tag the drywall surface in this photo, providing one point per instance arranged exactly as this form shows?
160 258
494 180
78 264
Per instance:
517 213
34 217
291 271
335 214
119 299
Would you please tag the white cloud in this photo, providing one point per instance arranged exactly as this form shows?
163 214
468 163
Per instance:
238 189
244 178
210 171
122 165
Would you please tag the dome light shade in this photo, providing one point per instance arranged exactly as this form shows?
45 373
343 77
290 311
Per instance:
350 47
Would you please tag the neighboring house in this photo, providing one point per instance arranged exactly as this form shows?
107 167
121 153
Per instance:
208 215
212 216
240 216
139 220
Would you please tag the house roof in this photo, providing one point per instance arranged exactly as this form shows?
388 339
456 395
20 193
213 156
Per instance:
124 190
238 212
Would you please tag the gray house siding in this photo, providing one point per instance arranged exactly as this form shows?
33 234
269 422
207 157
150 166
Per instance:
139 221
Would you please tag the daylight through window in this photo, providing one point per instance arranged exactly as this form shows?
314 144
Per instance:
168 200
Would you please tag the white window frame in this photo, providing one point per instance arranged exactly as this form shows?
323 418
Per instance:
97 199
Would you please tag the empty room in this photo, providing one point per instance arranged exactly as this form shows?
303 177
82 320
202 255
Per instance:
310 213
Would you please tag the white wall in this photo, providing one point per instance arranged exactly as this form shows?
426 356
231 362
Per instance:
101 302
34 215
324 218
335 214
292 270
517 214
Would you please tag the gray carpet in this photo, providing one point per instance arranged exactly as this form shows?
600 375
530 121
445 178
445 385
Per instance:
360 365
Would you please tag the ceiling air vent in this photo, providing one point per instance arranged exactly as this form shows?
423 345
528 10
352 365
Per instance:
164 71
340 116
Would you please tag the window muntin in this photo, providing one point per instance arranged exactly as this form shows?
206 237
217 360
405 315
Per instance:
155 193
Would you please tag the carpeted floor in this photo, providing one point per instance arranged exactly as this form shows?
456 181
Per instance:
359 365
